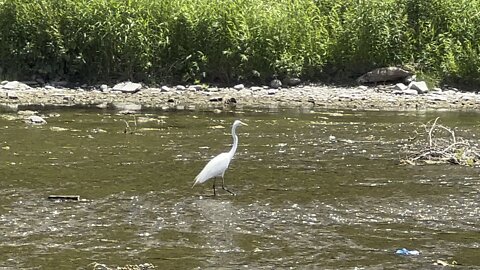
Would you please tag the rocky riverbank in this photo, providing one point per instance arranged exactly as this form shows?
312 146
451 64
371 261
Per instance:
131 97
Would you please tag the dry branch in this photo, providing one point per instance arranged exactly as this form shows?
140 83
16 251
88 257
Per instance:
439 144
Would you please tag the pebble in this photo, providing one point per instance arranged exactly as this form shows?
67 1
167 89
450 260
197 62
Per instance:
165 89
272 92
104 88
213 89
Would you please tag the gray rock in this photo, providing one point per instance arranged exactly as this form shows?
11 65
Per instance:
127 87
437 89
239 87
384 75
292 81
437 97
15 85
400 86
363 87
411 92
450 92
213 89
35 120
180 88
26 113
272 92
397 92
256 88
102 105
165 89
275 84
410 79
60 83
104 88
11 94
197 87
215 99
420 86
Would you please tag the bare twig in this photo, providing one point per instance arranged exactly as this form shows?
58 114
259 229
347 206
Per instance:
431 131
440 149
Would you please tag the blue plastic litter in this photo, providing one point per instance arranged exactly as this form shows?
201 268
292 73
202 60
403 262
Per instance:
404 251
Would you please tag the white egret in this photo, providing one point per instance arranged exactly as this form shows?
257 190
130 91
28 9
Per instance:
219 164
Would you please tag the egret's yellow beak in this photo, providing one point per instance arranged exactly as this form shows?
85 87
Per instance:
243 123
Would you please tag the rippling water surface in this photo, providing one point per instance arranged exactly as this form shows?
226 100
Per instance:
303 200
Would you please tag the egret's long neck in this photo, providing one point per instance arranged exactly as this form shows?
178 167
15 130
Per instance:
235 142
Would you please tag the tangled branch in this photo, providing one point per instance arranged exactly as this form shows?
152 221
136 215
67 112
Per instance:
439 144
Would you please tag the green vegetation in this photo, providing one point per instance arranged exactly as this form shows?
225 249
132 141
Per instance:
237 40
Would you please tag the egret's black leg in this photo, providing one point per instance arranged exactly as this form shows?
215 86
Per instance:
224 188
214 193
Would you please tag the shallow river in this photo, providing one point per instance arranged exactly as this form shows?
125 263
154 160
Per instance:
303 199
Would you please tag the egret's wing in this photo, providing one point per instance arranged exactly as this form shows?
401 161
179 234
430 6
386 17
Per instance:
215 167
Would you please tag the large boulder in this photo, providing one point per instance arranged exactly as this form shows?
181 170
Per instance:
127 87
384 74
14 85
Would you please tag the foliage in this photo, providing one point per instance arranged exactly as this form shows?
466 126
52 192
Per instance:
236 40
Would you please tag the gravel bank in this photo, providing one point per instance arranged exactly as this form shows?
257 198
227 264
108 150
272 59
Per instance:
199 98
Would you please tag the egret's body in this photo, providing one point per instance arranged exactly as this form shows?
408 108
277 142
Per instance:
219 164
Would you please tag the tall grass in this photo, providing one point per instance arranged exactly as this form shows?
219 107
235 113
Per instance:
160 41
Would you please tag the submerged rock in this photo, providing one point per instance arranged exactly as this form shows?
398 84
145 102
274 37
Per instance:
129 107
35 120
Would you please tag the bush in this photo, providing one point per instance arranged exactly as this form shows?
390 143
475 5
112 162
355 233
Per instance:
236 40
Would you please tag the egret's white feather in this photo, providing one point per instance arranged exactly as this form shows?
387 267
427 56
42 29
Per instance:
214 168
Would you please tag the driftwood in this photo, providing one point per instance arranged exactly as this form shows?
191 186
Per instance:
128 129
439 144
64 197
144 266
